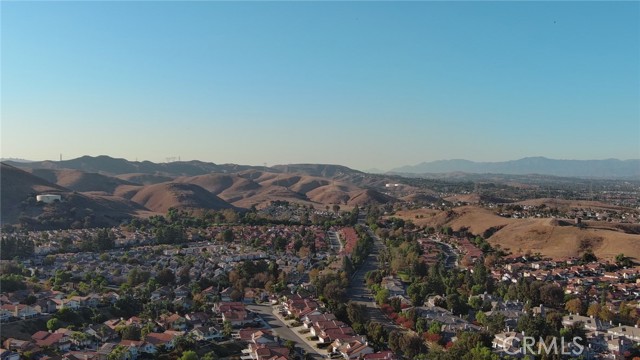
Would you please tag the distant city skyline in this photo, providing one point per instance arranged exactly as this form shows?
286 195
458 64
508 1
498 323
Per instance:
361 84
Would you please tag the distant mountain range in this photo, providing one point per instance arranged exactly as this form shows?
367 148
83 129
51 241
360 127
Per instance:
105 191
609 168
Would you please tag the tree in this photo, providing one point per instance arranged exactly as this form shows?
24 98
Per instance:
589 256
435 327
394 341
291 345
382 296
226 235
574 306
118 353
480 352
356 312
189 355
551 295
54 324
456 305
210 356
605 314
377 333
495 322
593 310
165 277
347 265
227 328
622 260
411 345
130 332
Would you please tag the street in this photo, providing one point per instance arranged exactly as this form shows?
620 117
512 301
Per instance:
358 291
281 329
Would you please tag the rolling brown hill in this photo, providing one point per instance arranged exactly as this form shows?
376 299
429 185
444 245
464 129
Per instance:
556 241
476 219
81 181
421 198
113 166
221 183
368 196
320 170
19 189
565 205
124 188
161 197
268 194
145 179
553 238
330 194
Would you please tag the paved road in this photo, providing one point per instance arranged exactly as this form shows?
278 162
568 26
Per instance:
360 294
281 329
334 241
450 254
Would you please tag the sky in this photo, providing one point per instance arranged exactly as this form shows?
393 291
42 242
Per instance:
361 84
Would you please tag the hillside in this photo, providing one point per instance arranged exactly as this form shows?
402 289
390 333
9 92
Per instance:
81 181
19 189
477 220
161 197
565 205
368 196
144 179
322 170
112 166
553 238
550 239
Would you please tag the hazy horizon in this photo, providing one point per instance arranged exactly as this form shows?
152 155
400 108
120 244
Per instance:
361 84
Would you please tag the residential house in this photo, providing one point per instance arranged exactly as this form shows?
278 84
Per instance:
206 333
9 355
198 318
173 322
590 323
104 350
394 286
81 355
225 295
182 291
72 304
101 332
21 311
382 355
618 345
320 326
270 351
308 320
328 336
18 345
509 342
355 349
166 339
630 332
45 339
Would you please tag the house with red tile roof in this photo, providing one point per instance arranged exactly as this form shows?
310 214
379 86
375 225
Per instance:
382 355
46 339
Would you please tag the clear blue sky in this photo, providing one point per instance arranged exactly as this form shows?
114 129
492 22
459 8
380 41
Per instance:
363 84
